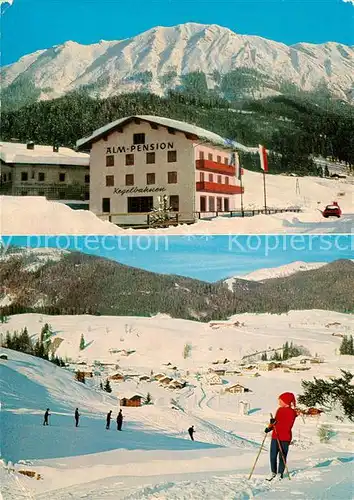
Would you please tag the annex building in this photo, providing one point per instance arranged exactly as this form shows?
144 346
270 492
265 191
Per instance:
54 172
135 160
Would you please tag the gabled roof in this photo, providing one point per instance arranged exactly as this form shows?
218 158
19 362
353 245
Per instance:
187 128
13 152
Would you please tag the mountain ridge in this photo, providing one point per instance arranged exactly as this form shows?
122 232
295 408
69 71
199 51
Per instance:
161 59
78 283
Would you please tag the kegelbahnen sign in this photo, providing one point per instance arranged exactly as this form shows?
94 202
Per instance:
138 190
139 147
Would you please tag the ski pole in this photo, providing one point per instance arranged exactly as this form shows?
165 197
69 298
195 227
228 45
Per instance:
259 452
282 453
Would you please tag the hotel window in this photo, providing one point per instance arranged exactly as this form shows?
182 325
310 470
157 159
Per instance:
40 193
172 177
41 176
203 204
219 204
110 161
211 178
106 205
226 161
150 178
129 180
218 159
62 195
150 158
154 126
140 204
174 202
211 204
201 155
129 159
171 156
87 179
210 156
201 176
226 180
24 176
5 177
61 177
10 176
139 139
87 195
219 179
171 131
109 180
226 205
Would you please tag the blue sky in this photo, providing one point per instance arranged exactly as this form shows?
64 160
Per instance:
30 25
211 259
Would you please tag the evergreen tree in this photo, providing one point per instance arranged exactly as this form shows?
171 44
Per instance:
329 394
107 386
286 350
326 171
82 342
264 357
346 346
148 398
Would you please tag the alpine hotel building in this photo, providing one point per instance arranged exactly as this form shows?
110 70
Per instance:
136 159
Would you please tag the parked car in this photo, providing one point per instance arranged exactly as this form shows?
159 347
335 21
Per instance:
332 210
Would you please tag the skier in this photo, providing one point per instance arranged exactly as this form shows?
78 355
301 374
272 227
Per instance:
119 421
191 431
281 426
77 416
108 419
46 415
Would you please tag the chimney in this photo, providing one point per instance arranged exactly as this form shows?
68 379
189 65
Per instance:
55 149
30 145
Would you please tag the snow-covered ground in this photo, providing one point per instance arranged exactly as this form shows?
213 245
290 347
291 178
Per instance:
36 215
153 457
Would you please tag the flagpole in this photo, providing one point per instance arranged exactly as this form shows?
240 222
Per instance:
265 192
242 211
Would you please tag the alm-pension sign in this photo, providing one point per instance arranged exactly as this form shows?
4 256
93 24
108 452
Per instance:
156 146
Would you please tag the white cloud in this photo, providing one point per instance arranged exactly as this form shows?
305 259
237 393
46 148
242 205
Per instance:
349 1
10 2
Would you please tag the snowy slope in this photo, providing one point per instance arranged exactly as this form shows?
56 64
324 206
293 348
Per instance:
36 215
276 272
117 66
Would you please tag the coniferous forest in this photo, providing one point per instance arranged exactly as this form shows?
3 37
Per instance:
294 127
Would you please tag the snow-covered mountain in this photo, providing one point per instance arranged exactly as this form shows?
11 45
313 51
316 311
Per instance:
276 272
160 58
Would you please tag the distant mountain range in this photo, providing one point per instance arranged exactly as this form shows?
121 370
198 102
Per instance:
189 56
75 283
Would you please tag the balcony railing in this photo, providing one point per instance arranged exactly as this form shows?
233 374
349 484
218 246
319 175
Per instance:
215 187
213 166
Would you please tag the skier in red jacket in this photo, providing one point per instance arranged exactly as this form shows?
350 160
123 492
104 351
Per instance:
281 426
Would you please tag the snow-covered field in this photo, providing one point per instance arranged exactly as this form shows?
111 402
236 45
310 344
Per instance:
153 457
35 215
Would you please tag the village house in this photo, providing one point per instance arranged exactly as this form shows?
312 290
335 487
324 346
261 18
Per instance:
214 379
165 381
177 384
267 366
236 389
159 376
54 172
136 159
132 400
117 377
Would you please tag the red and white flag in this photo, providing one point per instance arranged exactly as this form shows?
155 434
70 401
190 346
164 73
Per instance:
264 158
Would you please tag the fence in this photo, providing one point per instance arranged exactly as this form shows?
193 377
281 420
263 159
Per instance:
150 219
